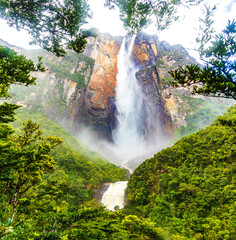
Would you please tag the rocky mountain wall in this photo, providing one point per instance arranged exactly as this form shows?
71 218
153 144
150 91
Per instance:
79 89
153 59
100 91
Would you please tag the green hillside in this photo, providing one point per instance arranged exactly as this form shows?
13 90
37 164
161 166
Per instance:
95 169
189 189
186 191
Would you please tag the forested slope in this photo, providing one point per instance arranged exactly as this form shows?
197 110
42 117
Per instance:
72 156
37 190
189 188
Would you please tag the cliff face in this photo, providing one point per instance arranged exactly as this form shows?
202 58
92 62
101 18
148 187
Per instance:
80 89
153 59
100 91
99 105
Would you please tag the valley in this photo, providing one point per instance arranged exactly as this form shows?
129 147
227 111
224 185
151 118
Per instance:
118 123
79 93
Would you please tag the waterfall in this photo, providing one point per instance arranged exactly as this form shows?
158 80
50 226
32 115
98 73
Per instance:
128 136
115 195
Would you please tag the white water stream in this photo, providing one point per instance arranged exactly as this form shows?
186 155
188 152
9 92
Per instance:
128 136
115 195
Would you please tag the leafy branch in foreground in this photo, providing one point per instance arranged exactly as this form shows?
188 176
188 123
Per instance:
138 14
54 25
218 76
14 69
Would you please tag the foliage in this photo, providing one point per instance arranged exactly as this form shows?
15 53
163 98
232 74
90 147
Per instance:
54 25
138 14
14 69
24 160
189 188
217 77
7 112
89 223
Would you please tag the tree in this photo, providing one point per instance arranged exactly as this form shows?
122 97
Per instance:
54 25
24 159
14 69
218 75
24 162
138 14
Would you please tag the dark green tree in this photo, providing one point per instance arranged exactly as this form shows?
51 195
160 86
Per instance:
14 69
54 25
23 163
217 51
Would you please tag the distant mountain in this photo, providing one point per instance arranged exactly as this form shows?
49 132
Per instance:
5 43
79 90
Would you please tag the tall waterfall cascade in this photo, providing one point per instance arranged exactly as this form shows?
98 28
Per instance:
127 136
115 195
135 114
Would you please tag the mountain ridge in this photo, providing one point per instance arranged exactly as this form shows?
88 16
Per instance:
78 91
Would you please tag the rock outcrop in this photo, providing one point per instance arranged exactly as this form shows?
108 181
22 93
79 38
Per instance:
100 91
79 89
153 59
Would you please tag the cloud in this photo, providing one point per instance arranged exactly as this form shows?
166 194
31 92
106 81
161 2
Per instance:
104 19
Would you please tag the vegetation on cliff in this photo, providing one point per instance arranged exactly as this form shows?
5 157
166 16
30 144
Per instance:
63 69
190 188
199 113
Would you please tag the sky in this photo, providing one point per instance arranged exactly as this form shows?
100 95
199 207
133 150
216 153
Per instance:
183 32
